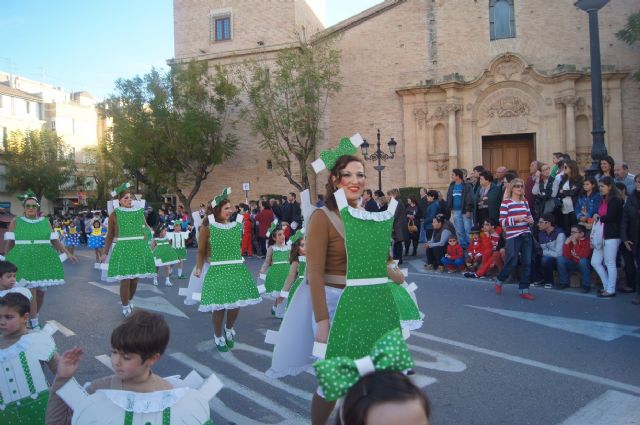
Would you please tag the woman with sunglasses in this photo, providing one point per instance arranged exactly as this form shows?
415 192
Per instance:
604 254
516 219
33 247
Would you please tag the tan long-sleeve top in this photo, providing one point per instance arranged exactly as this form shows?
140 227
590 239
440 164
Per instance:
326 255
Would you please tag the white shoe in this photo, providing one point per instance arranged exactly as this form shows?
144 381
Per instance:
155 282
168 283
126 310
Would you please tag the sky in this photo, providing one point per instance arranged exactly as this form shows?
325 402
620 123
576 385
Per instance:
87 45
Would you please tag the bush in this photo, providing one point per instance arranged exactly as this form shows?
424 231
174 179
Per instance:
405 192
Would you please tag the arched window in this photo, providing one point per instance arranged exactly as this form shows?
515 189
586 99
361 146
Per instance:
502 19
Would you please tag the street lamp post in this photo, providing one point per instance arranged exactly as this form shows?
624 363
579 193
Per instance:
598 148
379 155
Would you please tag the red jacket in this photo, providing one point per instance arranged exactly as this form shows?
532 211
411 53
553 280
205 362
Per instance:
578 251
486 244
264 218
454 252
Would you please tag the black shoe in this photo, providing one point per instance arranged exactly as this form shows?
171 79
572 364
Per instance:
470 275
605 294
627 290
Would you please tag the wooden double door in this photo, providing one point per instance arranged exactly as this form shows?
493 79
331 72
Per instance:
514 151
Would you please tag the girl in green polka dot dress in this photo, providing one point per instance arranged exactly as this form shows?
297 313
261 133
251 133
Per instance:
275 268
298 265
33 247
228 284
131 257
163 253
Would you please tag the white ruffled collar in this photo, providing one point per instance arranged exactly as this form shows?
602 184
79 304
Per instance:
224 226
134 208
302 259
280 248
341 200
156 401
14 350
31 220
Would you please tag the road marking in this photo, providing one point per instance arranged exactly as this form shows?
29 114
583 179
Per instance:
611 408
63 329
604 331
152 303
105 360
443 362
288 416
115 288
533 363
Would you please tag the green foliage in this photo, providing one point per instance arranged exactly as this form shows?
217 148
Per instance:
39 160
106 171
287 100
405 192
630 34
170 128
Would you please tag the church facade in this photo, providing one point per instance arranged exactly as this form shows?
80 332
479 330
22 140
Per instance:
456 83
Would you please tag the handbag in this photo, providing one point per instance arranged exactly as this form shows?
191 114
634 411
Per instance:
412 227
551 205
597 235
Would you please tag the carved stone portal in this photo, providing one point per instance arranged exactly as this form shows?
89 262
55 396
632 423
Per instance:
440 165
420 115
508 111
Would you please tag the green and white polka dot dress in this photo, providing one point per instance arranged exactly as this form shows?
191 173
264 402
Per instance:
302 265
278 270
164 254
178 242
228 283
366 310
38 263
131 256
410 317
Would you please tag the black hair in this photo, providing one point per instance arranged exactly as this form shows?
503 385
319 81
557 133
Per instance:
550 218
17 302
487 176
458 172
621 187
479 168
368 191
581 228
158 230
558 154
379 193
7 267
293 194
492 221
433 194
611 162
143 333
613 191
377 388
475 229
510 176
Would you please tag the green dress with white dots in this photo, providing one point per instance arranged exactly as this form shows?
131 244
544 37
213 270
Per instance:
164 254
228 283
366 310
131 256
302 265
278 270
38 263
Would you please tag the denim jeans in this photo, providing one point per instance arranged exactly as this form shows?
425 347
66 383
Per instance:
523 245
606 257
567 266
452 264
462 223
548 266
422 238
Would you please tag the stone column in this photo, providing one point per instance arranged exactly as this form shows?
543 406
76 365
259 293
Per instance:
452 108
569 104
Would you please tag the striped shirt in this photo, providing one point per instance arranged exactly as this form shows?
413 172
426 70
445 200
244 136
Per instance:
509 211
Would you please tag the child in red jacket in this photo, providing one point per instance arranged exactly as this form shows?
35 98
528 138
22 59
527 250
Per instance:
491 247
454 258
473 259
575 256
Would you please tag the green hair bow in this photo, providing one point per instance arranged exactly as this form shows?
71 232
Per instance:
273 227
299 234
29 195
224 195
328 158
174 222
389 354
118 190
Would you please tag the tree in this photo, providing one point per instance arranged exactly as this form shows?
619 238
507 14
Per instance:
287 100
170 129
106 171
39 160
630 34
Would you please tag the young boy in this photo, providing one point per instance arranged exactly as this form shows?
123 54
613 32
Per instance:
474 253
8 272
142 396
24 390
454 258
492 248
575 256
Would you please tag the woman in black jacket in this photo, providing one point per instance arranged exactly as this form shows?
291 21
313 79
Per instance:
604 255
568 191
628 238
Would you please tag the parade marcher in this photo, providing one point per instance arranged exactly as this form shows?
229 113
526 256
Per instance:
298 265
163 253
134 394
247 232
24 390
97 237
228 285
178 240
275 268
71 231
30 246
131 257
515 218
350 297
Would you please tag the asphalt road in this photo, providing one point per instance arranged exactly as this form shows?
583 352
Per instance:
567 358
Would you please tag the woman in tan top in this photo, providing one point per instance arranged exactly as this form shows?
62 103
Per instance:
327 259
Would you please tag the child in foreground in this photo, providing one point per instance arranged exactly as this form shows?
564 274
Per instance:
8 273
134 394
25 391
